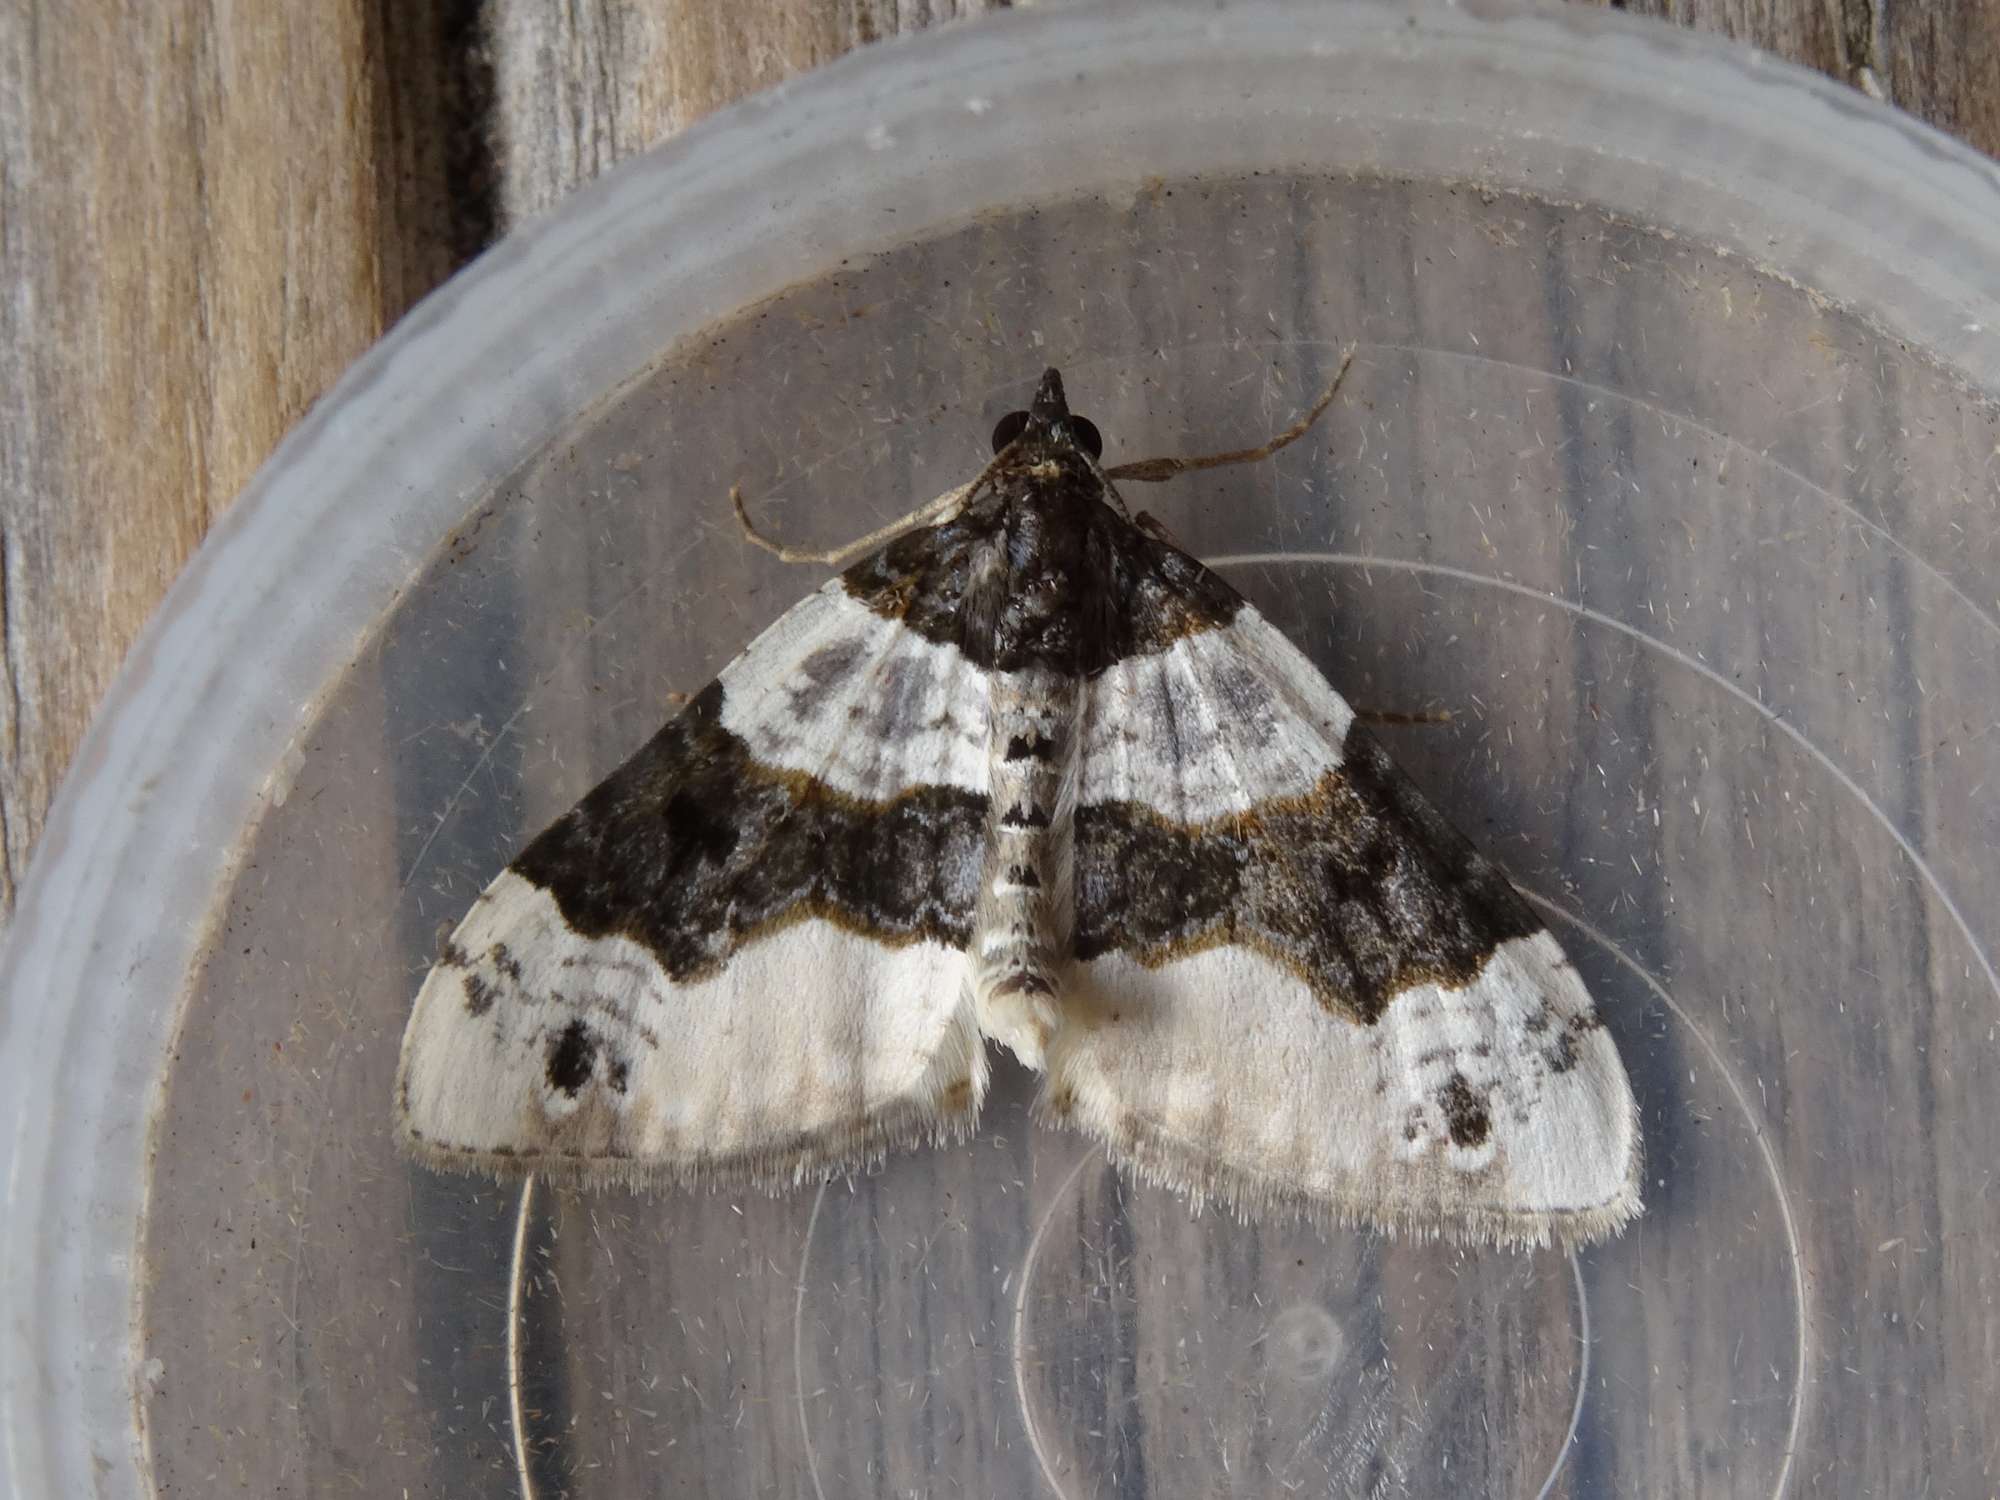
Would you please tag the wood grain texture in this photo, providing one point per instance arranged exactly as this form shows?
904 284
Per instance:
206 215
579 87
1939 60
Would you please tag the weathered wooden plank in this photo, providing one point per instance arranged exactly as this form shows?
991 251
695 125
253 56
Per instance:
580 87
206 213
1940 60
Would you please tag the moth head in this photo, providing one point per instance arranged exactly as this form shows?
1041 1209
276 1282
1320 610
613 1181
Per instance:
1048 422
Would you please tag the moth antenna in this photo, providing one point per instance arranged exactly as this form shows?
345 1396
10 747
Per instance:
1154 470
839 557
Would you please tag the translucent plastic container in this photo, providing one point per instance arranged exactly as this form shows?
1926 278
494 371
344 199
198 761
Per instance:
1667 465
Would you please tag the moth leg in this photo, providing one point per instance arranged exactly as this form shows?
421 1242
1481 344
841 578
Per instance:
1153 470
1383 718
1155 528
840 557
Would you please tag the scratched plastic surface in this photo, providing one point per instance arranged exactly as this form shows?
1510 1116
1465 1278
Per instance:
1676 496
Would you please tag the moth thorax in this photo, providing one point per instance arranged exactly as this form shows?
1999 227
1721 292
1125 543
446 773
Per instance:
1018 933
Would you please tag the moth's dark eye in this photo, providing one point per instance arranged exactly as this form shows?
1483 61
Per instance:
1088 438
1008 428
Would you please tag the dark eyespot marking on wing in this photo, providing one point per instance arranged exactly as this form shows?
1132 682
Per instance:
1465 1115
572 1051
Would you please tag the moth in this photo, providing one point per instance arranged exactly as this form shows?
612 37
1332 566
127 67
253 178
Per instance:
1027 774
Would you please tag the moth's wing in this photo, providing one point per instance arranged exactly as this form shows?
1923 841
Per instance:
1295 986
740 958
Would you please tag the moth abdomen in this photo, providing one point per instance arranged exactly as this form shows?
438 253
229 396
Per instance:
1017 929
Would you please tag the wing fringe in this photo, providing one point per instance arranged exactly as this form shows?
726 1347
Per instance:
1199 1175
947 1117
